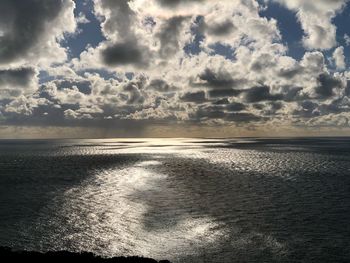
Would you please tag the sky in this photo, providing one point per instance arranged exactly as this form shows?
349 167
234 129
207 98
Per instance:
174 68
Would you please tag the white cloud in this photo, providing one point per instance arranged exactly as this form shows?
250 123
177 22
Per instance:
81 19
316 20
347 39
146 74
339 58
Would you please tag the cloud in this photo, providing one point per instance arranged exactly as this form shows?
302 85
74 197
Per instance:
327 85
242 117
174 3
161 86
220 28
207 62
197 97
220 93
347 39
218 80
316 20
30 37
24 106
125 44
81 19
339 58
235 106
170 36
262 93
18 81
120 54
30 30
16 77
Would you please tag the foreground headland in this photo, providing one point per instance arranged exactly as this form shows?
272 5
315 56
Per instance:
64 256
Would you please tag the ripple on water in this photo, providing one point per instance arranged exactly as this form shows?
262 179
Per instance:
185 200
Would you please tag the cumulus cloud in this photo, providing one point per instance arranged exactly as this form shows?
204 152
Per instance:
347 39
169 36
198 61
262 93
29 42
124 45
316 20
30 30
174 3
327 85
339 58
81 19
120 54
16 77
18 81
197 97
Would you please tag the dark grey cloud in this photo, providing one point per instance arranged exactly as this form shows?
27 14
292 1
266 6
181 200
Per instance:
218 112
291 72
219 80
269 108
198 97
225 28
121 18
315 108
347 88
219 29
308 105
265 61
235 106
223 101
219 93
15 82
23 23
336 106
174 3
276 105
261 93
292 93
161 86
307 109
125 53
134 92
127 49
56 118
17 77
169 36
327 85
258 106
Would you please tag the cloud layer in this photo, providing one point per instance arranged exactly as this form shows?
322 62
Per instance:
163 62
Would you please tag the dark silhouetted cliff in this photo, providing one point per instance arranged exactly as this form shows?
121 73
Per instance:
8 255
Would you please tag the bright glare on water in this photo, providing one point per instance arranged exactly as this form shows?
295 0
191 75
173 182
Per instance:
185 200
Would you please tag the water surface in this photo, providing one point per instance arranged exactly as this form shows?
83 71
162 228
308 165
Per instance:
186 200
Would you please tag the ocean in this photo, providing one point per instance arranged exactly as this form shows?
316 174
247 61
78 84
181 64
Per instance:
185 200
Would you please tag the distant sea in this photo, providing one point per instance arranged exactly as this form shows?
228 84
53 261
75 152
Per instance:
185 200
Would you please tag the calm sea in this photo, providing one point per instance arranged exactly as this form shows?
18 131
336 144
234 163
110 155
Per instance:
185 200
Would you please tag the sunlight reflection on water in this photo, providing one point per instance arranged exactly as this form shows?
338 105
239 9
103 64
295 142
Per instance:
186 200
115 216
